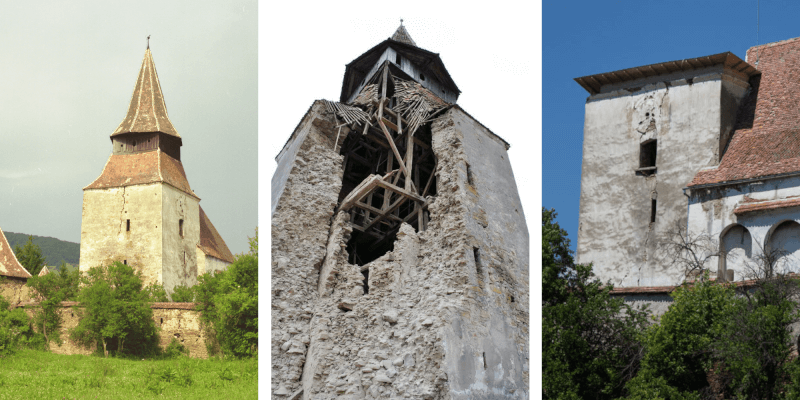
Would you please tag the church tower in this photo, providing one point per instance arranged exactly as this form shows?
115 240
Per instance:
141 210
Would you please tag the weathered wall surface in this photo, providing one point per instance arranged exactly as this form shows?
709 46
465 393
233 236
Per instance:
429 327
174 320
689 117
487 339
179 253
305 190
14 290
208 264
104 234
711 212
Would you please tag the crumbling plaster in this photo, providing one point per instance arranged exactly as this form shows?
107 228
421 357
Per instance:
711 212
615 231
430 326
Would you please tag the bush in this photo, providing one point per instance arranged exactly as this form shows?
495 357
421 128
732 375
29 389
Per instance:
52 289
182 294
15 329
228 301
115 312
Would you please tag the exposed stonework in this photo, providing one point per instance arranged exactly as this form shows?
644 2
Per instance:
14 290
178 321
430 327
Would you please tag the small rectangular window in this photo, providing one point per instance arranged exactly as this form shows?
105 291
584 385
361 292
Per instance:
476 252
397 59
125 262
180 227
647 154
653 210
128 226
470 180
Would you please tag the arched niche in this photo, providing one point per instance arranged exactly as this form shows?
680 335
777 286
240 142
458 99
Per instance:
736 248
784 241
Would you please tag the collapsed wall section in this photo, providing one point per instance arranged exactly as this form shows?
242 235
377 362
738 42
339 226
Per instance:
305 191
424 320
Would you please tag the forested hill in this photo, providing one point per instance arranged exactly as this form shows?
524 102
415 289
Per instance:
54 250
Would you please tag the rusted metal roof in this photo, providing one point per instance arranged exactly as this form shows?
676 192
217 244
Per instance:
401 35
211 242
147 111
593 83
9 265
142 168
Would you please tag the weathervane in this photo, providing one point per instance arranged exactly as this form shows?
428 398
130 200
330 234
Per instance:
148 40
401 22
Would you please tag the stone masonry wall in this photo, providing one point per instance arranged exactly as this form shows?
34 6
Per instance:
14 290
301 223
429 327
174 320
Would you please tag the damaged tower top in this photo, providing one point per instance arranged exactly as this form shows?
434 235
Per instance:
406 61
399 244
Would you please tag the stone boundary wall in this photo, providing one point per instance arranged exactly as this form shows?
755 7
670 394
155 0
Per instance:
174 320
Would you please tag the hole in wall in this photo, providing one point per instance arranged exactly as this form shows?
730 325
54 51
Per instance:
476 252
365 272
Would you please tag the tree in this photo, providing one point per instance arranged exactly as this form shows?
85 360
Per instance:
30 256
52 289
115 311
15 328
590 345
228 301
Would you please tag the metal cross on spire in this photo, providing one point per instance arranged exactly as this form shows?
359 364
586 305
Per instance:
148 41
401 22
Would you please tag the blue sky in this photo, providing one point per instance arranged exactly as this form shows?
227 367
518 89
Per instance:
588 37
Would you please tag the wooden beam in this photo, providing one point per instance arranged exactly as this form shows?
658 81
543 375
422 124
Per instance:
386 212
400 191
394 148
375 211
390 124
360 191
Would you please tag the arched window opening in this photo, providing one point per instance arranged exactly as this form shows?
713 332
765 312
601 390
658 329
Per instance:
783 247
736 247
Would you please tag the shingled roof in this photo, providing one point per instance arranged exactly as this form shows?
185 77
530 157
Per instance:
211 242
142 168
9 265
147 111
401 35
766 141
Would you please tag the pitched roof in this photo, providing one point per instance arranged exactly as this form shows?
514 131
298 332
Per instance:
147 111
9 265
211 242
44 271
401 35
766 140
142 168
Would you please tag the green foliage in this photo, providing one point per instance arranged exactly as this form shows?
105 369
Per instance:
115 312
32 374
175 349
155 293
52 289
228 301
15 329
30 256
182 294
589 339
646 386
679 348
53 249
755 342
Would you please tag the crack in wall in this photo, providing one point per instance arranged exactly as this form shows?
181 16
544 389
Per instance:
122 212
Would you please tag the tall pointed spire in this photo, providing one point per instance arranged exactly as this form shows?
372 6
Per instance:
401 35
147 112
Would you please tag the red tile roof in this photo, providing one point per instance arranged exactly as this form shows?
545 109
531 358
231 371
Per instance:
766 205
766 141
142 168
9 265
211 242
147 111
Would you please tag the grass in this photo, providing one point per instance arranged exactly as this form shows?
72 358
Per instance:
31 374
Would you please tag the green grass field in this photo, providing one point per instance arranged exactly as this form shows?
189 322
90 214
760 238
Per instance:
30 374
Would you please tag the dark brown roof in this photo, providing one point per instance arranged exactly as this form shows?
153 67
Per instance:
766 140
142 168
147 111
593 83
430 63
9 266
211 242
401 35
